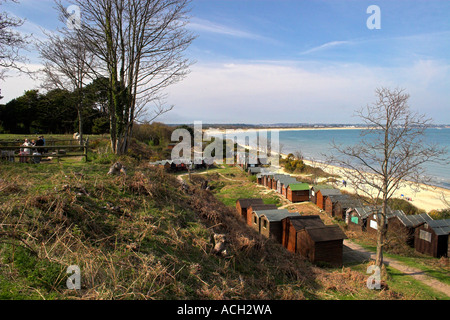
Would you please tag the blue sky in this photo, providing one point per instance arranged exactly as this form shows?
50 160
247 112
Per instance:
286 61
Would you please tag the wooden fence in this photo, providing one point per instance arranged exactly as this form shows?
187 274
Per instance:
10 150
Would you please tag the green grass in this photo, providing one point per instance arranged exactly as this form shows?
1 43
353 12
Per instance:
234 184
429 265
141 237
398 282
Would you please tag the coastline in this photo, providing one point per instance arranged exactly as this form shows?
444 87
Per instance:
224 131
427 198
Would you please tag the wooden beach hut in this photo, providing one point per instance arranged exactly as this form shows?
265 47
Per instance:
258 207
405 226
331 201
275 179
268 180
356 218
298 192
283 183
259 179
310 237
372 219
322 193
243 204
340 204
315 189
431 238
270 224
322 244
254 171
291 226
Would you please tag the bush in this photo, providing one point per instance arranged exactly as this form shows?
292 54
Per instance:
440 214
405 206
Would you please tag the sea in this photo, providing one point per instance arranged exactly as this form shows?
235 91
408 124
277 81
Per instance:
316 145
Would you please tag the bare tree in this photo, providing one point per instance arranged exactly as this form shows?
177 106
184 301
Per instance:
11 42
139 44
68 65
391 153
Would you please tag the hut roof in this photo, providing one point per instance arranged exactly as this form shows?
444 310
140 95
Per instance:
326 233
365 211
302 222
286 182
262 207
299 186
255 169
318 187
412 221
245 203
275 215
440 227
345 200
330 192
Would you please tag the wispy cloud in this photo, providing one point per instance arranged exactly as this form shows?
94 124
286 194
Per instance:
325 46
202 25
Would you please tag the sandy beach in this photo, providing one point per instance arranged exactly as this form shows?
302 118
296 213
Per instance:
428 198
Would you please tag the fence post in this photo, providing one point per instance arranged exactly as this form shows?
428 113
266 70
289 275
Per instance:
86 146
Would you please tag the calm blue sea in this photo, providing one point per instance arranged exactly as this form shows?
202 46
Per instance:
315 144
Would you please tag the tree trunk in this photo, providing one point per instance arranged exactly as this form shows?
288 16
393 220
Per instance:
381 237
80 125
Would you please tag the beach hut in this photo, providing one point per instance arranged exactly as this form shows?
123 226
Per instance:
340 204
258 207
283 184
298 192
315 189
259 178
372 219
431 238
254 171
356 218
275 179
405 226
310 237
268 180
270 224
292 225
322 193
243 204
322 244
331 200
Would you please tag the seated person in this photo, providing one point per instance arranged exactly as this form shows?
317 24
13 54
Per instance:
25 151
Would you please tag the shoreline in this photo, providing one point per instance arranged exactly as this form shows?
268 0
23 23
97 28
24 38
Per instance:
224 131
428 197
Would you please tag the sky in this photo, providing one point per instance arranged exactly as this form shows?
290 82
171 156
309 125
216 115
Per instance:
294 61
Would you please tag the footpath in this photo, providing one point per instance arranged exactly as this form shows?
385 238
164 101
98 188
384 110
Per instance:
355 252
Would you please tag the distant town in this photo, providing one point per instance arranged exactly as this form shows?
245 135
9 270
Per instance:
292 126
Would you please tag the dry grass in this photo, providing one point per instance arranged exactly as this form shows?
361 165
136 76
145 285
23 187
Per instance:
142 236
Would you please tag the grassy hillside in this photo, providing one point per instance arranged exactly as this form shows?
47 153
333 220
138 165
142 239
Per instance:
142 236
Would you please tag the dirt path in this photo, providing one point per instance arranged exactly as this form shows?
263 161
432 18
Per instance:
354 252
